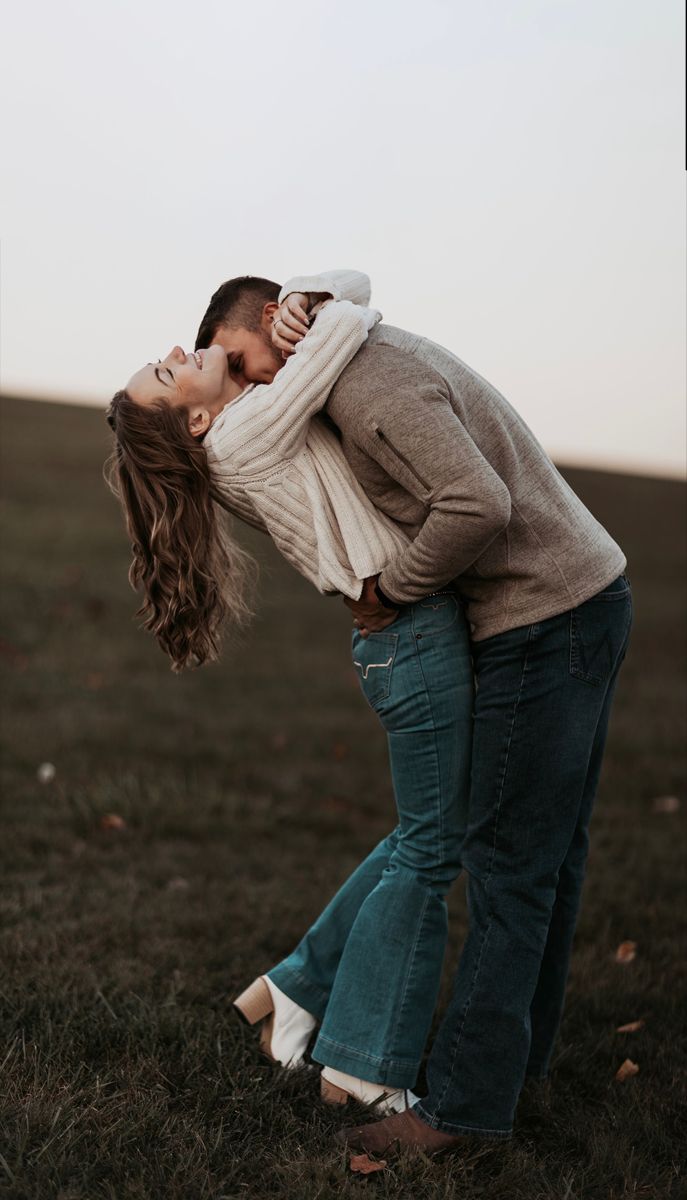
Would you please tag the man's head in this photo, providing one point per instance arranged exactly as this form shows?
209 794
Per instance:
239 319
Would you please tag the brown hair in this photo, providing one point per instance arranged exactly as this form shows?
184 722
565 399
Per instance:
193 574
238 304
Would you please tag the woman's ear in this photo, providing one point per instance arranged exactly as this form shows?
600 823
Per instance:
198 422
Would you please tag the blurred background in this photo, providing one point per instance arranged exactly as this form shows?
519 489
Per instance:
511 178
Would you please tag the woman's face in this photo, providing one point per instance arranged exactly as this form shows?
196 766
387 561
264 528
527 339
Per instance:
198 382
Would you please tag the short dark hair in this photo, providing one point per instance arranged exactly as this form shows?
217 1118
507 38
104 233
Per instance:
238 303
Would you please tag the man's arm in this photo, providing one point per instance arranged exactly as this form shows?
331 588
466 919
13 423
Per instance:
398 411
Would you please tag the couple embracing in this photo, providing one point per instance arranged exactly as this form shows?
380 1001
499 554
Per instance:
491 617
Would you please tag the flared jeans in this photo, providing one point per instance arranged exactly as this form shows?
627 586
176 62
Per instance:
369 968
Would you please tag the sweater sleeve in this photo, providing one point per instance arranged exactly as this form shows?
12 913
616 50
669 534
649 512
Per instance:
256 434
401 416
342 285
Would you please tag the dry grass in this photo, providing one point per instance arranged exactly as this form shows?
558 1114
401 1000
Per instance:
248 791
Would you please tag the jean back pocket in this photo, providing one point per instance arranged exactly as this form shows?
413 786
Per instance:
599 629
435 613
373 659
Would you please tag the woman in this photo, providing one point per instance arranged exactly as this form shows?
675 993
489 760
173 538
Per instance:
369 968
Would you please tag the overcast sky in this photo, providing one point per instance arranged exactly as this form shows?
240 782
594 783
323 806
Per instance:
510 174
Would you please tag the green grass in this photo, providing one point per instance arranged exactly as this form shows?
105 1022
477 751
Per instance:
249 790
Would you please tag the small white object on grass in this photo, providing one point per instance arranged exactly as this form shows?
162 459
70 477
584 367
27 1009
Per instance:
177 884
46 773
666 804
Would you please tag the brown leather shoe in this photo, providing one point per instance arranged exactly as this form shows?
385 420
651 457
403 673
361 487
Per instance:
401 1131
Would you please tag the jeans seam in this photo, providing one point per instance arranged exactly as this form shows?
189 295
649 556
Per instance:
308 982
437 756
373 1058
411 958
574 662
437 760
532 631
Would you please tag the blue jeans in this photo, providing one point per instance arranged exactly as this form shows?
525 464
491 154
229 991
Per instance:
544 696
370 966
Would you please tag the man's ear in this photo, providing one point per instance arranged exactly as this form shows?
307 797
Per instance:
268 316
198 422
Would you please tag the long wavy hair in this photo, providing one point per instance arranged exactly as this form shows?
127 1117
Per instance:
192 573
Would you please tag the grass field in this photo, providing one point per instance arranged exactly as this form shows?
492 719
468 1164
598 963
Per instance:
248 791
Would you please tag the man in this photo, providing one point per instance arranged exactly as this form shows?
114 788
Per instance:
440 451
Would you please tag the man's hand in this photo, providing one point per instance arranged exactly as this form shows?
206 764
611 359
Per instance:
370 615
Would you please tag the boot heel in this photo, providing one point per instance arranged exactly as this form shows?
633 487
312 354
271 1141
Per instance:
256 1002
331 1094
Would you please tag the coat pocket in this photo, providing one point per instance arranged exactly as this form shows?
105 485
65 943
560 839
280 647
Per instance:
402 460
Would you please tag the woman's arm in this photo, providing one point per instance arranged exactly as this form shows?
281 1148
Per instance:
341 285
270 424
304 294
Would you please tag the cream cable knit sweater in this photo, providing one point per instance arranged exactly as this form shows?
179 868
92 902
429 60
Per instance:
284 472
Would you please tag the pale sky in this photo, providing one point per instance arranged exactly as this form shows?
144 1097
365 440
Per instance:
509 174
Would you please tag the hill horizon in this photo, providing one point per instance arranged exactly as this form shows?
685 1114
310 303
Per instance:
672 473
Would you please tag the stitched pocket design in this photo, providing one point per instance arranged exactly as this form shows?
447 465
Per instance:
373 659
595 639
434 614
590 659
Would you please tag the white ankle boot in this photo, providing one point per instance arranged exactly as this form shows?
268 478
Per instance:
286 1027
338 1088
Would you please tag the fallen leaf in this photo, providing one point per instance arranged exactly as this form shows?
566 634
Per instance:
626 1070
340 751
94 680
666 804
626 952
280 741
112 821
364 1165
46 773
631 1027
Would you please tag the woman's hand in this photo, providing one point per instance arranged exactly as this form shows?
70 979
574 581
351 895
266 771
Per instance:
291 323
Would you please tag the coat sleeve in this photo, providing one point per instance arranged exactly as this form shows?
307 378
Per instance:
398 412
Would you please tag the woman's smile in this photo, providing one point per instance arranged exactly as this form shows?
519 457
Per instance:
177 379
